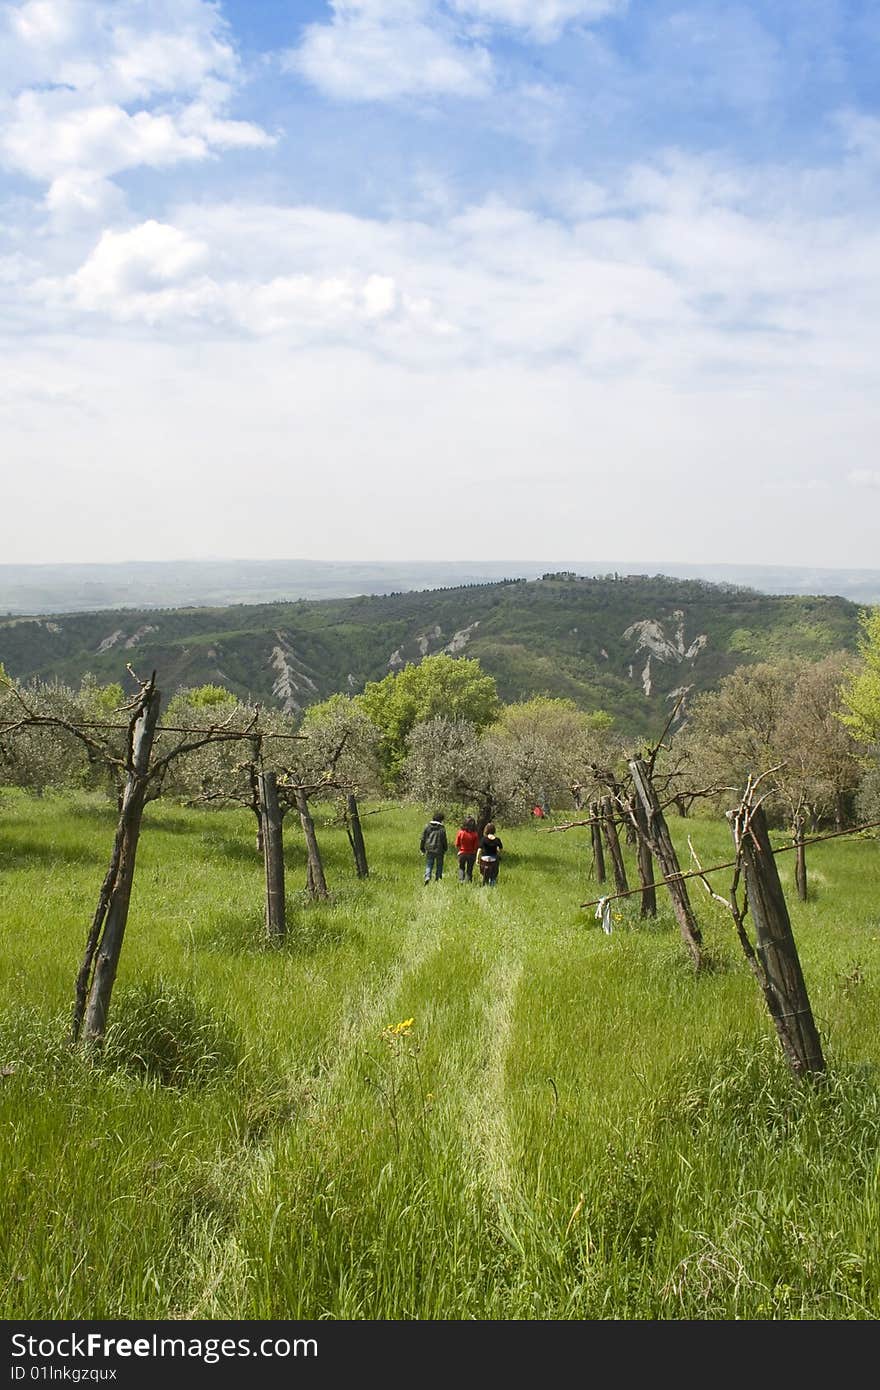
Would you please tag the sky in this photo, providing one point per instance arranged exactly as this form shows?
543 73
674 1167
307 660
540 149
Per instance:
399 279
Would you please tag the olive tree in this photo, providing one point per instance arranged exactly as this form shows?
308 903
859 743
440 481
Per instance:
37 751
441 686
449 760
781 719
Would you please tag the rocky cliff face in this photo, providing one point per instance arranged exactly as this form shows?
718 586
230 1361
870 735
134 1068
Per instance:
663 640
293 686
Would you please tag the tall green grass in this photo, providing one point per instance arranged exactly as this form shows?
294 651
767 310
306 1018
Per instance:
573 1126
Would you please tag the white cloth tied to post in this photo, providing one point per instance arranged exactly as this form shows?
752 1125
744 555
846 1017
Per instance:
603 914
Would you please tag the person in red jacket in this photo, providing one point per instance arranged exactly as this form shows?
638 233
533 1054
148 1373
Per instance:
466 842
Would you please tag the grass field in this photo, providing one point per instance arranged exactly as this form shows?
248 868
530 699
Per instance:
572 1125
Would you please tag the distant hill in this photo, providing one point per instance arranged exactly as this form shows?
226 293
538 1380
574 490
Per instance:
627 644
58 588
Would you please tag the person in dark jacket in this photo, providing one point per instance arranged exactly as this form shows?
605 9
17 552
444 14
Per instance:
434 844
489 855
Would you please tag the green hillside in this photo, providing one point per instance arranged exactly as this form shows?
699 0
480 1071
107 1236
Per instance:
624 643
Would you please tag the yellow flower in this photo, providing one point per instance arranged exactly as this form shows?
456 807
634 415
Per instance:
400 1030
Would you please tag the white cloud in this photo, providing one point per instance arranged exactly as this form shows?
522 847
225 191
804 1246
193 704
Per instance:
116 50
81 198
381 50
675 270
542 20
76 68
160 275
50 135
126 269
864 477
377 50
44 23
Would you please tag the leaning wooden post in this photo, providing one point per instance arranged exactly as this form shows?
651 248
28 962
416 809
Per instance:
356 835
661 846
253 772
784 987
94 984
596 840
800 859
645 860
613 842
315 880
273 855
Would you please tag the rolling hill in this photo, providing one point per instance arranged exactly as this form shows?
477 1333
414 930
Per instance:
625 643
51 588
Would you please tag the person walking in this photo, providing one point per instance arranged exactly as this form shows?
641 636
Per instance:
490 855
434 844
466 843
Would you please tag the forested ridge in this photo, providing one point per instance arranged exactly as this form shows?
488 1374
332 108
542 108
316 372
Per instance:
622 643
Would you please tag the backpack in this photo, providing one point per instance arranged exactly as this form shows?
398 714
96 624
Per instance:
435 839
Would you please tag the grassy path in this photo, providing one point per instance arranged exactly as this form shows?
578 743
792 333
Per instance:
573 1125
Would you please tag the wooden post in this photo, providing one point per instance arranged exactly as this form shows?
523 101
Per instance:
645 860
615 853
273 856
315 881
253 772
94 984
661 846
596 840
800 859
784 987
356 835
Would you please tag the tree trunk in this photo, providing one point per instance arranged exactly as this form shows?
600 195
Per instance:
596 840
97 974
273 857
661 846
256 802
315 881
356 835
615 853
800 860
783 981
645 861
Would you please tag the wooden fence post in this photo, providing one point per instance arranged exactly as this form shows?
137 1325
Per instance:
615 853
356 835
800 859
783 981
315 880
661 846
645 860
273 856
596 840
94 984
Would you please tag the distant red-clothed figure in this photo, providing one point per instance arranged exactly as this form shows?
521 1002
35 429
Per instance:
538 812
466 843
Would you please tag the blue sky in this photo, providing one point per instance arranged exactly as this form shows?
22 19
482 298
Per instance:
400 279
